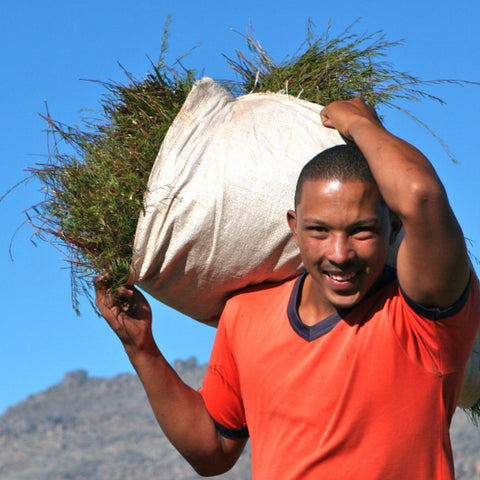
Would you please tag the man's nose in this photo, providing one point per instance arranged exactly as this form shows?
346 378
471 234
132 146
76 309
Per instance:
340 251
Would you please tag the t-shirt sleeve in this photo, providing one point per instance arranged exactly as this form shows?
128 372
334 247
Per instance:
221 388
444 336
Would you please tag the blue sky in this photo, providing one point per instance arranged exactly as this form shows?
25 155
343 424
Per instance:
47 47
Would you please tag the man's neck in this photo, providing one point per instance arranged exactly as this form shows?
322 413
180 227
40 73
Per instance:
312 308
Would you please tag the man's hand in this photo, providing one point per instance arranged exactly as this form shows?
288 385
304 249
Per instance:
346 115
128 314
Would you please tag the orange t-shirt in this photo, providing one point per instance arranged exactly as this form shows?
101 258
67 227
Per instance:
366 394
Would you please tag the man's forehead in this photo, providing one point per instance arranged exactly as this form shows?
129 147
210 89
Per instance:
333 186
344 194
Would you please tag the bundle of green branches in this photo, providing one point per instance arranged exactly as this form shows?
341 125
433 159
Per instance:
93 194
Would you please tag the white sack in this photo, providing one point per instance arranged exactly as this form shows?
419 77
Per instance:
215 213
214 219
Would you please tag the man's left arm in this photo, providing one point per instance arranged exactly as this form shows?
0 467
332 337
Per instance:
432 263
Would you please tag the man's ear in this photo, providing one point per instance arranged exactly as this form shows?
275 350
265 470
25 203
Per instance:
292 223
396 224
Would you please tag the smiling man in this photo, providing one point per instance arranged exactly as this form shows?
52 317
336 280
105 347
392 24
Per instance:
343 229
354 369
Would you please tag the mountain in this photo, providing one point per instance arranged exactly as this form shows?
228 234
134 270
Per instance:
95 429
89 428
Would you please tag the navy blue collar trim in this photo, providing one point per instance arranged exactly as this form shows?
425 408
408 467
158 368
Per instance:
435 313
308 332
312 332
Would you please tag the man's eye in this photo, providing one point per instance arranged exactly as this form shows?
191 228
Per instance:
362 232
316 228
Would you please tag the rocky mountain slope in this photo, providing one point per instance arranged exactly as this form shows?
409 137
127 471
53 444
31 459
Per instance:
102 429
94 429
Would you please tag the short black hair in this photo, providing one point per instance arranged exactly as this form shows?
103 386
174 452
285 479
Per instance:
342 163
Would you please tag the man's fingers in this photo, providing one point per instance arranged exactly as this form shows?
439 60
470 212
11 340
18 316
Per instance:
99 282
125 292
108 304
325 120
104 294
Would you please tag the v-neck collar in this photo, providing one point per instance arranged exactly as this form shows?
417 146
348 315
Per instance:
312 332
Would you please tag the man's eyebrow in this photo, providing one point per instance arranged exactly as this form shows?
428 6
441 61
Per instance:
316 221
364 221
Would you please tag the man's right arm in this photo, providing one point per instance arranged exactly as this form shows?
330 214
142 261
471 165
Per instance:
179 409
433 266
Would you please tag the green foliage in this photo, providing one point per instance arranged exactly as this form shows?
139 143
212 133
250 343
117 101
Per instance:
327 69
93 197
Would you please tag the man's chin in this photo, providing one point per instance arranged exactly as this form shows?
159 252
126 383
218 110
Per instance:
345 302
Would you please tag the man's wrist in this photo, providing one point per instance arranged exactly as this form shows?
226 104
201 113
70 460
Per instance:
141 356
365 127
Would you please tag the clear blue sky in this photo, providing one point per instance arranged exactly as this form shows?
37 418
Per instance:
48 46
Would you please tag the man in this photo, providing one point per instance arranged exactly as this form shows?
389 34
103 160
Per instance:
349 371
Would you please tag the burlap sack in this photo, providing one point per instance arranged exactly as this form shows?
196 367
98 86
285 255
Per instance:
215 213
214 219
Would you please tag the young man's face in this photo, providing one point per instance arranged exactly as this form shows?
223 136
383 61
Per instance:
343 230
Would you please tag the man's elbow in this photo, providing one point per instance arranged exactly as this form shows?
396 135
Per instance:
421 198
217 457
212 468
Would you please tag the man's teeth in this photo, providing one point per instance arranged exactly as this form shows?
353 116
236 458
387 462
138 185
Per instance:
341 278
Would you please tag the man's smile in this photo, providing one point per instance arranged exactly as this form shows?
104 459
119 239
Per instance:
342 276
343 281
